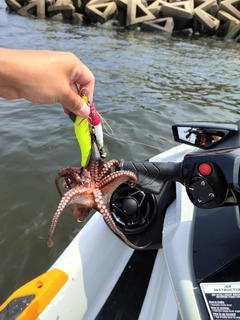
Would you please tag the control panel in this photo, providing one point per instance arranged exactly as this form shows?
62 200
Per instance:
206 185
210 178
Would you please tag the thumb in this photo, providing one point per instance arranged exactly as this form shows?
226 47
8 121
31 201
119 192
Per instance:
76 105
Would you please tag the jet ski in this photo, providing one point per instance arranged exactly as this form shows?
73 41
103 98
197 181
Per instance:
186 207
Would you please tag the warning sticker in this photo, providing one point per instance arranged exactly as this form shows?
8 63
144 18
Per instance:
222 300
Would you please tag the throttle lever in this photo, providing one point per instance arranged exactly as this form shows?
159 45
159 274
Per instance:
152 176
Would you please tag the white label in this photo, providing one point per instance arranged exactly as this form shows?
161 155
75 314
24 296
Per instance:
222 300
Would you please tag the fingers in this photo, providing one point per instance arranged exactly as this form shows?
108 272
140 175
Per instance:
86 81
80 108
85 92
81 83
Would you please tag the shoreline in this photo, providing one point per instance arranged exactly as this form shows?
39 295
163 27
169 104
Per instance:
192 17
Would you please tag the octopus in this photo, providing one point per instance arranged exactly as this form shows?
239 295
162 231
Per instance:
93 188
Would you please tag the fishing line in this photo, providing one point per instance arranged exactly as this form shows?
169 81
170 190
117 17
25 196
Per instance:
133 142
110 133
106 126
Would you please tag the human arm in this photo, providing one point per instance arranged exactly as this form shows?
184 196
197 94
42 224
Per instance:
45 77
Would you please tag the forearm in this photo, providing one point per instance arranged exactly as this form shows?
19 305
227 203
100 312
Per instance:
20 70
9 72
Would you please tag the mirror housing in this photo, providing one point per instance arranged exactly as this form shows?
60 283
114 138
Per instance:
203 135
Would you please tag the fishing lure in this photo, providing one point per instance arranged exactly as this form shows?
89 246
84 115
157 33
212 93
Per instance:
97 130
88 130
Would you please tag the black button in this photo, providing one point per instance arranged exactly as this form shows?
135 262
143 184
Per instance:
201 191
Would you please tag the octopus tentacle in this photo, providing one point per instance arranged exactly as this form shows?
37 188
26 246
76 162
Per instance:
122 176
107 166
102 208
66 199
109 220
94 170
70 174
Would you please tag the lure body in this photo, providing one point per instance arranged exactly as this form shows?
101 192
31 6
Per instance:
95 120
83 135
87 131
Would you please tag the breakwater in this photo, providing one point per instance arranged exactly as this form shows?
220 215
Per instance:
200 17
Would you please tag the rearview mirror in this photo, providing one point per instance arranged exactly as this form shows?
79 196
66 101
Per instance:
203 134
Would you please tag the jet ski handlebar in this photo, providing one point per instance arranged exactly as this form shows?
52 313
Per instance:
151 176
211 178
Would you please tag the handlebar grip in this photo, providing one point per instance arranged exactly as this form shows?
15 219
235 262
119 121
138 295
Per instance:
151 176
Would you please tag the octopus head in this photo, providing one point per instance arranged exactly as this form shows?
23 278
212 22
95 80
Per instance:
80 211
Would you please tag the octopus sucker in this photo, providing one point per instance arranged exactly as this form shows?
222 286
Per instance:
91 188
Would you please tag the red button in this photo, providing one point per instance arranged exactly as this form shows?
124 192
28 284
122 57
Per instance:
205 169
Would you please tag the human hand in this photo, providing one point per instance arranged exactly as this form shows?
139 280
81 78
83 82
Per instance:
46 77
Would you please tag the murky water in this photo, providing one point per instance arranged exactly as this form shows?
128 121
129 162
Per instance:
145 82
